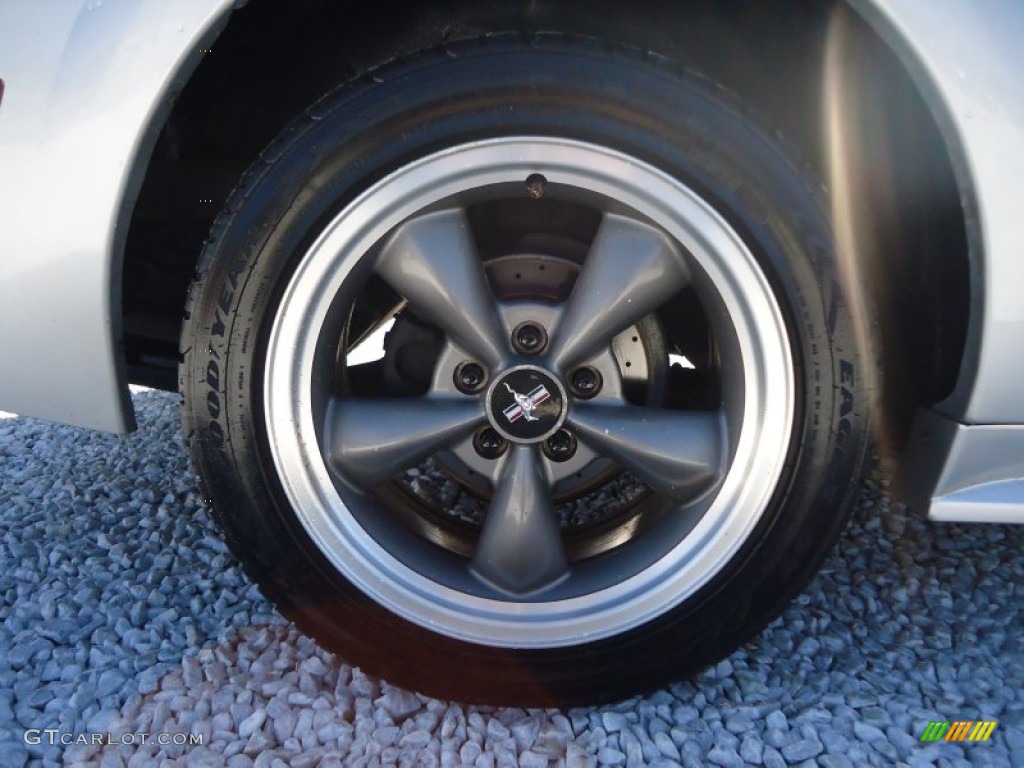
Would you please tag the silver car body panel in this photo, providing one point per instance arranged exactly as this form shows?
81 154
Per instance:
965 459
88 84
967 58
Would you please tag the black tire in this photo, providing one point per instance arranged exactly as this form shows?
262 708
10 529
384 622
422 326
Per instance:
582 90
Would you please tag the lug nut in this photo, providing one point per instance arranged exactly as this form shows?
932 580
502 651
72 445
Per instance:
469 377
489 444
529 338
585 382
561 446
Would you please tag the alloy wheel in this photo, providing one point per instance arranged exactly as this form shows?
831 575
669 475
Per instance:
543 371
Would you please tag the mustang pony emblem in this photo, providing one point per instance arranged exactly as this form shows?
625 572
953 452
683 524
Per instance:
525 403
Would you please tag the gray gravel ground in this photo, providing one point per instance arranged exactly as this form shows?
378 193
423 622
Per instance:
122 612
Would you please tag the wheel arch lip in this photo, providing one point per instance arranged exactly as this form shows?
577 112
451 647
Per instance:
88 87
961 61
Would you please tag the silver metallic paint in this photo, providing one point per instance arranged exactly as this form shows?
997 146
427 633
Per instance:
968 59
86 86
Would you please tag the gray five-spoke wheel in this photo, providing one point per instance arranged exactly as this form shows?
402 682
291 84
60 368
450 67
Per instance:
710 472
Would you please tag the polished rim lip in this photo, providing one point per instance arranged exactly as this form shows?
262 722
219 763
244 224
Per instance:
492 419
768 407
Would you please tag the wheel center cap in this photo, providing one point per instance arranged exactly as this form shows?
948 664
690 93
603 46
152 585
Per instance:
526 404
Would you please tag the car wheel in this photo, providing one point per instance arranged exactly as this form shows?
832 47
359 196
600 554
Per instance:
617 417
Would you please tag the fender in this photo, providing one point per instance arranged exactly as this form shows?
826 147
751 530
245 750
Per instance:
963 462
966 61
88 86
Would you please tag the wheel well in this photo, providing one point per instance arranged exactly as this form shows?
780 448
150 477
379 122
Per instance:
276 57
